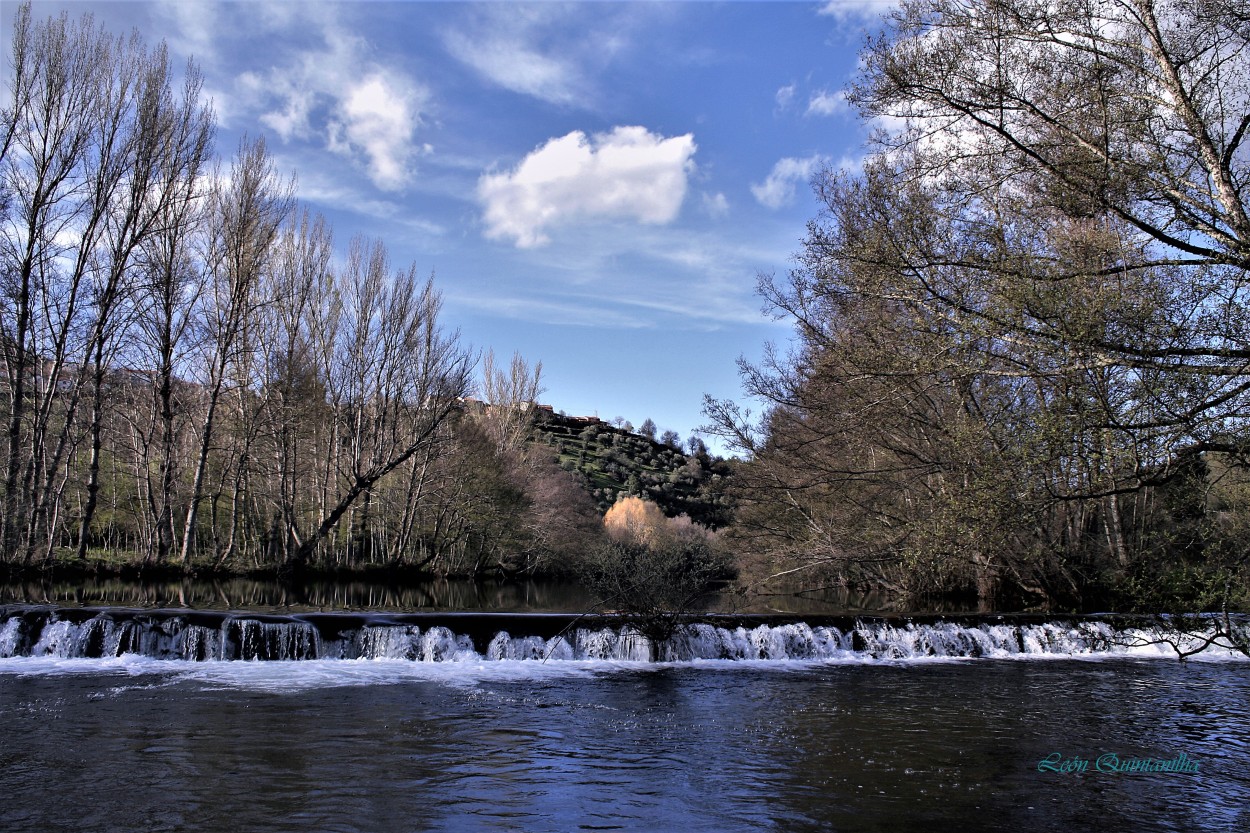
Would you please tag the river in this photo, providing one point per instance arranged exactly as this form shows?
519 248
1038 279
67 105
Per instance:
882 726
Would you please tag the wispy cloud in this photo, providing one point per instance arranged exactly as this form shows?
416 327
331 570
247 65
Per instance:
785 96
627 174
712 269
858 9
687 279
576 312
194 27
331 91
516 66
715 205
345 193
531 50
778 188
825 103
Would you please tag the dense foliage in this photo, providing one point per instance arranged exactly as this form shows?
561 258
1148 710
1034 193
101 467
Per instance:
612 463
653 568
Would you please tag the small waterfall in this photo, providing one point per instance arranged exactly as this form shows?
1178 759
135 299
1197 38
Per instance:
200 636
11 637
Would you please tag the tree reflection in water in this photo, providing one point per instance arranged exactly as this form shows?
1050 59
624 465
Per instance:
548 595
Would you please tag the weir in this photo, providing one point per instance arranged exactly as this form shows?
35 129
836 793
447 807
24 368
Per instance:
34 631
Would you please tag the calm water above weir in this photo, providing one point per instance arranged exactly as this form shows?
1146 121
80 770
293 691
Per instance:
869 732
440 594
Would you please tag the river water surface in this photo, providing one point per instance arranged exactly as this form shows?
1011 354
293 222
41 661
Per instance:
846 742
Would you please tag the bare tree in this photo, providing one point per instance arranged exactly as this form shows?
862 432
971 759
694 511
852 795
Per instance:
248 210
394 378
86 144
513 395
168 143
165 302
56 77
1029 308
295 403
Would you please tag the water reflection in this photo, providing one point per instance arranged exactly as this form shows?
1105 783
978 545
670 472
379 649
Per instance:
535 596
247 594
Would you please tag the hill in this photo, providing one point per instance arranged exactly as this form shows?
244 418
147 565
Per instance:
611 461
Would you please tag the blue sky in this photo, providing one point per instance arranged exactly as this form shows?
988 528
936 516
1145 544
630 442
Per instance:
595 185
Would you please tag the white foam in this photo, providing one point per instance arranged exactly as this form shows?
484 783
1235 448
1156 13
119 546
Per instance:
10 633
244 639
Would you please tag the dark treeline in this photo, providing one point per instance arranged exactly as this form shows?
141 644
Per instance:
192 378
1022 366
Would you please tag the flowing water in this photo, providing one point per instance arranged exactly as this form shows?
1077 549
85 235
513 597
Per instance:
169 720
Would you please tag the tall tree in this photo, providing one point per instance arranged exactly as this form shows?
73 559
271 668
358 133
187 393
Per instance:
393 378
293 380
90 133
58 71
166 299
167 142
247 211
1030 305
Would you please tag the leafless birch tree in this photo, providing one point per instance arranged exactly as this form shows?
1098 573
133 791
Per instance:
394 377
248 209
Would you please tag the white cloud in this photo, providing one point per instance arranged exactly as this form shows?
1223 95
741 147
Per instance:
785 96
290 118
825 103
195 27
627 174
529 49
858 9
778 187
715 205
515 65
376 118
332 92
